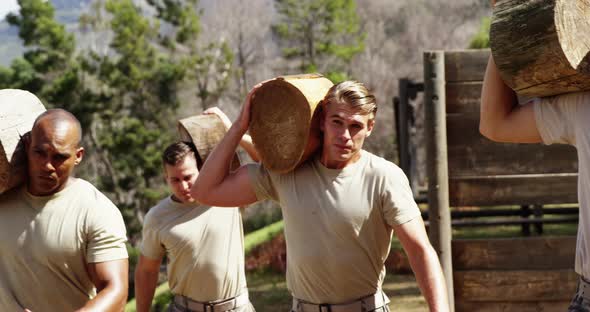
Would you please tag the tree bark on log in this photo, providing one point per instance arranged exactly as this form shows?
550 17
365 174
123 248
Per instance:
18 111
205 131
542 47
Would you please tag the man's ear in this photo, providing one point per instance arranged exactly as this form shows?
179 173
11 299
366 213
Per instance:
370 125
79 155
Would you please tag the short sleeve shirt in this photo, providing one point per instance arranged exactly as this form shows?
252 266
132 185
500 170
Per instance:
338 224
48 241
565 119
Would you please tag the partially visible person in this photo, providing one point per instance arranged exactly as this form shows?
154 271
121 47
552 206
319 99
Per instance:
561 119
63 241
340 209
204 245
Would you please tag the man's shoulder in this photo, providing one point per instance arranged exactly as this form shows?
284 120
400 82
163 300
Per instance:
381 166
155 214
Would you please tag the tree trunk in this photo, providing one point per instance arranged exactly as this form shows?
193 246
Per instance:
542 47
18 110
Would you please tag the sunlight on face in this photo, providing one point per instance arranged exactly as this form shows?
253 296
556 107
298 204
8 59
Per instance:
345 130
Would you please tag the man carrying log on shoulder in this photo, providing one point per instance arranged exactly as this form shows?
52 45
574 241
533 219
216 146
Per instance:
563 119
340 209
63 241
204 245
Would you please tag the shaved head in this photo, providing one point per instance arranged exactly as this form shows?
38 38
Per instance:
60 121
53 150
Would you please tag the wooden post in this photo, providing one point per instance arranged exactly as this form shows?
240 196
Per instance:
402 121
437 165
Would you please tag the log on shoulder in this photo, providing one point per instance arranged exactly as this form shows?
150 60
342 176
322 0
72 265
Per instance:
18 110
542 47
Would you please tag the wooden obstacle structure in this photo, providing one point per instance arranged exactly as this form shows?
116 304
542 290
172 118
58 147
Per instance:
466 169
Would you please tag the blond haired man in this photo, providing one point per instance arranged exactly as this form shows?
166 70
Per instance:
340 209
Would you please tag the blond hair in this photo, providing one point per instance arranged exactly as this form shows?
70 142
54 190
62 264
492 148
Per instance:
353 94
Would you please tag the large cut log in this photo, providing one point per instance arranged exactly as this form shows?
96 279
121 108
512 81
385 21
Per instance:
542 47
283 125
205 131
18 110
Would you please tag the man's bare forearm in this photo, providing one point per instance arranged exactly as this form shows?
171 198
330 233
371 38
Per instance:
145 286
430 278
109 299
216 167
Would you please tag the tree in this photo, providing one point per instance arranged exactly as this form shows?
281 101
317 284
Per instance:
481 39
49 67
322 35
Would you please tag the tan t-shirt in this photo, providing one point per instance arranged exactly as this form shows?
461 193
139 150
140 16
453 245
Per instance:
565 119
204 246
47 242
338 224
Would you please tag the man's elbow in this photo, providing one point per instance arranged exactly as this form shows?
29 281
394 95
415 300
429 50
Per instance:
488 132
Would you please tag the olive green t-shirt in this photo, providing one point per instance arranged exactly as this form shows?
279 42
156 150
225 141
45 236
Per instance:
47 242
338 224
204 246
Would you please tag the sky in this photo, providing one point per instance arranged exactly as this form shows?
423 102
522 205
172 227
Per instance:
7 6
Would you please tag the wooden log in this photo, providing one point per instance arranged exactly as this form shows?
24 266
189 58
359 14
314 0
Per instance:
18 110
542 47
205 131
515 286
284 126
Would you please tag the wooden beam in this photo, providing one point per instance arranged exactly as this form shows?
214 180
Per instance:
465 65
436 150
513 190
471 154
516 286
507 306
518 253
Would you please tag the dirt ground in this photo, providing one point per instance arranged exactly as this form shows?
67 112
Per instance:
268 293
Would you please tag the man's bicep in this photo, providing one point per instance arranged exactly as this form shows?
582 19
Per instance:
109 272
412 235
235 190
520 126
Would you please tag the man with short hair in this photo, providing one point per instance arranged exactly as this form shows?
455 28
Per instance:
340 210
204 245
63 241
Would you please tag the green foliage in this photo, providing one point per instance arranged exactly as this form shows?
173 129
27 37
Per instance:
320 34
481 39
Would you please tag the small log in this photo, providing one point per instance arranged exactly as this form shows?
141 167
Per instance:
205 131
542 47
284 126
18 111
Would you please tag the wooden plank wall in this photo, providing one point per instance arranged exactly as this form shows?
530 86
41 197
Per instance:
482 172
516 274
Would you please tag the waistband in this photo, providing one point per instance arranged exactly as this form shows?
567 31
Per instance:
368 303
220 306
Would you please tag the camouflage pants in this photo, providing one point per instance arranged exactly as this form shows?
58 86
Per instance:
581 300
